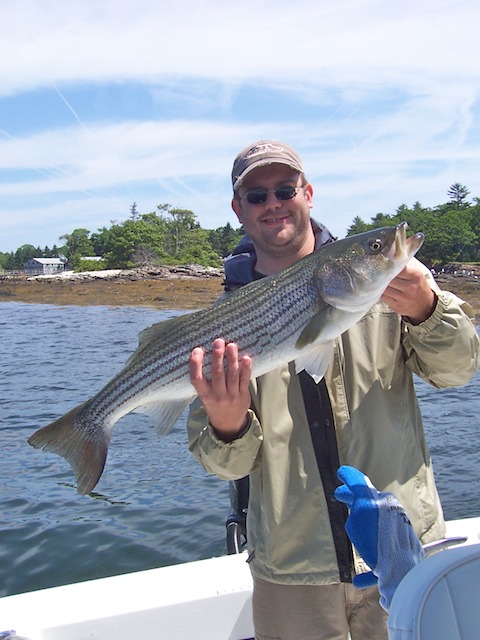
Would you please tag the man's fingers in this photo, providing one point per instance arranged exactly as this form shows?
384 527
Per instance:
229 376
218 365
245 373
196 370
231 352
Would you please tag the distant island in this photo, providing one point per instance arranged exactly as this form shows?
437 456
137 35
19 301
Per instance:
180 287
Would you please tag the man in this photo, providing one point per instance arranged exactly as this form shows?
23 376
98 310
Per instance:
364 413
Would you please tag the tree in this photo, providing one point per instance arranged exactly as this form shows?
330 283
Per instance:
224 239
23 254
125 245
358 226
134 215
3 260
77 244
383 220
458 194
172 235
183 221
197 249
145 256
475 226
446 237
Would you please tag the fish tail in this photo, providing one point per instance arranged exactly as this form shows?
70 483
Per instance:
85 450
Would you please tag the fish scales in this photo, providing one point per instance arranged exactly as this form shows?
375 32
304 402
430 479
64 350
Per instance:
292 315
262 327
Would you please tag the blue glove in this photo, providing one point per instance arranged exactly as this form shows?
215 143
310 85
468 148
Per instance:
380 530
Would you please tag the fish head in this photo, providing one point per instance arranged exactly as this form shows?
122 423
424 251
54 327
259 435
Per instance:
358 268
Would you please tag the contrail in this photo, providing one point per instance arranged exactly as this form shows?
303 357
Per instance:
69 107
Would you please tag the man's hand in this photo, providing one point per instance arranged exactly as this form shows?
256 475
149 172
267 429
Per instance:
410 295
226 397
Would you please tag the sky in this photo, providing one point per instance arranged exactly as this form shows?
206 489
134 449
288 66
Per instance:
106 103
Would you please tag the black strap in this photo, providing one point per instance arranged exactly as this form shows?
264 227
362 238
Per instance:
322 429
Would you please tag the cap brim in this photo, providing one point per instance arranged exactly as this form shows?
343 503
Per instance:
263 163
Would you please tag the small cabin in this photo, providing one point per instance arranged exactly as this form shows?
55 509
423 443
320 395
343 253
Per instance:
44 266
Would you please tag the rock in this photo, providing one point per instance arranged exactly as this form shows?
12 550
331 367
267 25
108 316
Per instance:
142 273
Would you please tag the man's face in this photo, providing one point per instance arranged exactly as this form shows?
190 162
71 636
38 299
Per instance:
275 226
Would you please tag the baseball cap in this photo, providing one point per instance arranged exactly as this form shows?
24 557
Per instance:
262 153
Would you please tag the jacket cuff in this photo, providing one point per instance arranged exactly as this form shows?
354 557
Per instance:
240 434
230 460
254 431
443 307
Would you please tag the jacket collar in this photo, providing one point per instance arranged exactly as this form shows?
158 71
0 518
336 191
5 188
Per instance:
240 264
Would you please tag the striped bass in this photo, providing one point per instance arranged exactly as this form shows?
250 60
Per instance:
293 315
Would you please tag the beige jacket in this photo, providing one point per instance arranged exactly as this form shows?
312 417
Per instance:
378 426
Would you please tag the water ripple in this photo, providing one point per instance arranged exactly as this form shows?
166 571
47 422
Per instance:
154 505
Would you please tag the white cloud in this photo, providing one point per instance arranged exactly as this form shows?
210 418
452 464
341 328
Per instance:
351 41
381 99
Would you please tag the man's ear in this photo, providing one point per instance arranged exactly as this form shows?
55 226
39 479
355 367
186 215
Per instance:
237 207
309 194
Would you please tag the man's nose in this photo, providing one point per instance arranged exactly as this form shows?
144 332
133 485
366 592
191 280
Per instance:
272 202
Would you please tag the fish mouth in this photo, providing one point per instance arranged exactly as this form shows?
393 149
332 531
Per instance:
404 247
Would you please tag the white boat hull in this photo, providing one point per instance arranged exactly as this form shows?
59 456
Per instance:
204 600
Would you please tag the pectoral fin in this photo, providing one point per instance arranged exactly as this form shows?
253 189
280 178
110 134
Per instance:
314 328
165 414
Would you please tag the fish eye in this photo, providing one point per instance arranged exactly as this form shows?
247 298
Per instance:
376 245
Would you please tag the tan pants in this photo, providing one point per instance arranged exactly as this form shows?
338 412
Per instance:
327 612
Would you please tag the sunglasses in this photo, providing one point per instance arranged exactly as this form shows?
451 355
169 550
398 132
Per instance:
259 196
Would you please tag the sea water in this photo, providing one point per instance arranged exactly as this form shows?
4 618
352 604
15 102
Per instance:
154 504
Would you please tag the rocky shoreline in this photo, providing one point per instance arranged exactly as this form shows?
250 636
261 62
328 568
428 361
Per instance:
179 287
